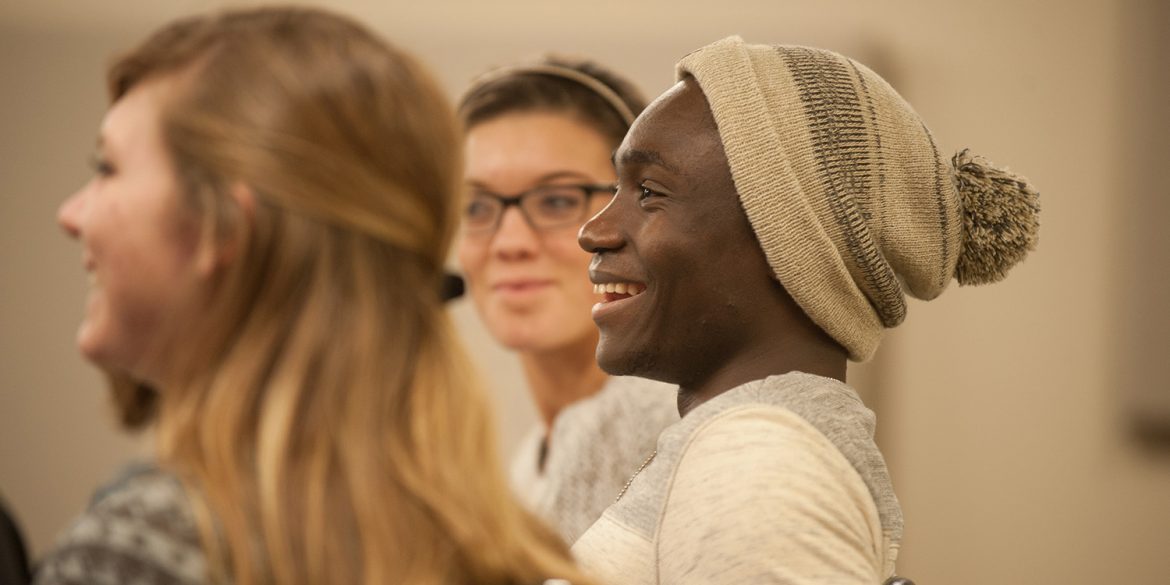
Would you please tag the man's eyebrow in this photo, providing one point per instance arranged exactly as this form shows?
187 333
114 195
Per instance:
645 157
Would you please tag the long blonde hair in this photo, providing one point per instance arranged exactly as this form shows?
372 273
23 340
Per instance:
327 424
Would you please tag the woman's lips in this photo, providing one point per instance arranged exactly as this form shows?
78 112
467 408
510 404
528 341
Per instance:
519 289
520 285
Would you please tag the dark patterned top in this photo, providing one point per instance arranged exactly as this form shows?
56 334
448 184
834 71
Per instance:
13 554
138 530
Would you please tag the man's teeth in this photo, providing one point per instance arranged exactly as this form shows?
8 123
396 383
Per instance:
621 288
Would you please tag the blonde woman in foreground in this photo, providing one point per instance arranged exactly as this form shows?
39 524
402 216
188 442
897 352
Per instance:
275 193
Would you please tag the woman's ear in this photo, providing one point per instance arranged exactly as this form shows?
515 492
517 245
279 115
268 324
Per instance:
222 244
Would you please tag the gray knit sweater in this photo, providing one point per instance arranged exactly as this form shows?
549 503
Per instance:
594 447
138 530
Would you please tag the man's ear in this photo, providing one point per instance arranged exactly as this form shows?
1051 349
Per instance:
221 245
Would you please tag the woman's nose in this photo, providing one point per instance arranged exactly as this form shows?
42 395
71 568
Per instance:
514 235
70 213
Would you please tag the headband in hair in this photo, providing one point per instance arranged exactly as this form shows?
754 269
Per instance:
592 83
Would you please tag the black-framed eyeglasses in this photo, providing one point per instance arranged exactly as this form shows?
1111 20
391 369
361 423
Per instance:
545 207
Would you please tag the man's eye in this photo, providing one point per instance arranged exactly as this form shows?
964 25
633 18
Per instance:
645 192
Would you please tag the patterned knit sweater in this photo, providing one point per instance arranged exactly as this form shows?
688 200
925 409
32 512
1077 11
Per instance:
138 530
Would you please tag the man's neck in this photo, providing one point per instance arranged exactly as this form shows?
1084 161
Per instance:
810 351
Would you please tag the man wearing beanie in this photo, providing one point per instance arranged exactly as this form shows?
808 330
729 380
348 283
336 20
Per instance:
774 209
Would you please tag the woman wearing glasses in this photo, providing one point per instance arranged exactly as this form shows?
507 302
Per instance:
538 142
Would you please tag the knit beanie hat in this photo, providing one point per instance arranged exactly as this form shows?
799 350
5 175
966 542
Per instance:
847 193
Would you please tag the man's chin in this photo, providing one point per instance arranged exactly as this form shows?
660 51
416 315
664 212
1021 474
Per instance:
617 361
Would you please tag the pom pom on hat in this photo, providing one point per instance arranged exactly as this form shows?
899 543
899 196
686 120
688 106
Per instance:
1000 219
846 191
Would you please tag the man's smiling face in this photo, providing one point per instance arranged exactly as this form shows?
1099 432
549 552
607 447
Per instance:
677 237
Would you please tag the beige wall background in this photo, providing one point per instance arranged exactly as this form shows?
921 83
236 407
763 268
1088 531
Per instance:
1005 412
